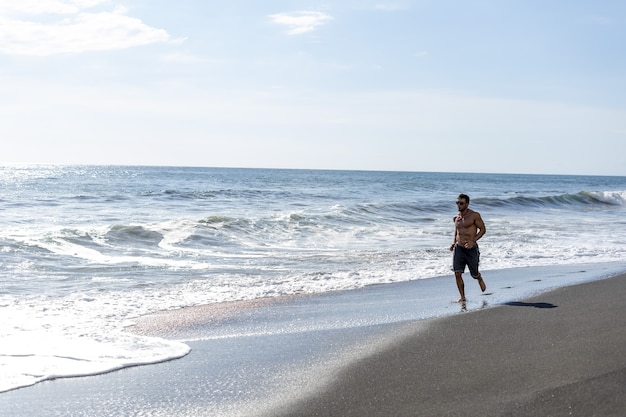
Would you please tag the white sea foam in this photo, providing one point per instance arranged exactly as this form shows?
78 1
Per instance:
44 346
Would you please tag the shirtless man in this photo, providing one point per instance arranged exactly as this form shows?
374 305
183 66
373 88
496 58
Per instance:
468 228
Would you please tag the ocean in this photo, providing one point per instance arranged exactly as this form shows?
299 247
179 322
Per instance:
87 250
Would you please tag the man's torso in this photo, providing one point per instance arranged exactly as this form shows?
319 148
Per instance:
466 226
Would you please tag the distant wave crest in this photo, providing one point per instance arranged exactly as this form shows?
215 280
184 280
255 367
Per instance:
614 198
603 198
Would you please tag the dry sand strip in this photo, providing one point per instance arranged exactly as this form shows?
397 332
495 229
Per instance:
562 353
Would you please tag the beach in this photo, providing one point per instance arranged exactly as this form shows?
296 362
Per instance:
554 354
558 354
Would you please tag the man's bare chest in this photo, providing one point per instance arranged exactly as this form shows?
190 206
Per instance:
465 222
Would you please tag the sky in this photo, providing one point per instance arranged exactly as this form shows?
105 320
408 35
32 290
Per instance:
507 86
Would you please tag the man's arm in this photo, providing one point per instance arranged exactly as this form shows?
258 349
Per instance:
480 224
456 232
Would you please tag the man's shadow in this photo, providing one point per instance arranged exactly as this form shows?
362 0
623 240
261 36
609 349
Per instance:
536 305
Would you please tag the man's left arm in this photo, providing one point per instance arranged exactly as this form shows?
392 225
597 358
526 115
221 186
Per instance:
481 229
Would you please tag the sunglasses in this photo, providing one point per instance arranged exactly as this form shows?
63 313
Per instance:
460 203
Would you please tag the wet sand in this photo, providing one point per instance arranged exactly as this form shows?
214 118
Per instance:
562 353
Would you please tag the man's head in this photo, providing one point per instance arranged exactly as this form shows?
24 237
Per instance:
462 201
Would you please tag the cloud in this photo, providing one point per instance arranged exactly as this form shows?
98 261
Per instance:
300 22
49 27
47 6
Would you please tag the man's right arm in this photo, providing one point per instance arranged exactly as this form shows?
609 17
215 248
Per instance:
456 232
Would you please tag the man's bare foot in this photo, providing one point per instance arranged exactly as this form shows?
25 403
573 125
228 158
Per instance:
461 300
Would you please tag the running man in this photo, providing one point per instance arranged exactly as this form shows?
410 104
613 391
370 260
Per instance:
468 228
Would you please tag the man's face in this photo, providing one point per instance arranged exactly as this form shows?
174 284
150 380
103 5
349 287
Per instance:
461 204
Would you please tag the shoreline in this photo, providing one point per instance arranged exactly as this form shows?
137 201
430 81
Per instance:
437 297
236 369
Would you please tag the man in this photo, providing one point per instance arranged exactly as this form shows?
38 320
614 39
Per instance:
468 228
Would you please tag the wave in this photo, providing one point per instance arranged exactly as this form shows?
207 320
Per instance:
614 198
216 194
187 242
362 223
138 235
583 198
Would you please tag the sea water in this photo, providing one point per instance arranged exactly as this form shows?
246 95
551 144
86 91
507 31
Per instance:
86 250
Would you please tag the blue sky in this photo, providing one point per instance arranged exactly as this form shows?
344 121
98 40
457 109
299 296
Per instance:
523 86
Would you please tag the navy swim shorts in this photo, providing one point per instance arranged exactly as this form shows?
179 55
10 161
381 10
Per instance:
462 257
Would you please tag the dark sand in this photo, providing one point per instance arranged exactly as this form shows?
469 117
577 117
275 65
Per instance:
562 353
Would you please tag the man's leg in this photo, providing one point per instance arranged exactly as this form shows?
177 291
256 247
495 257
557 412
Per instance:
482 284
472 264
460 285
